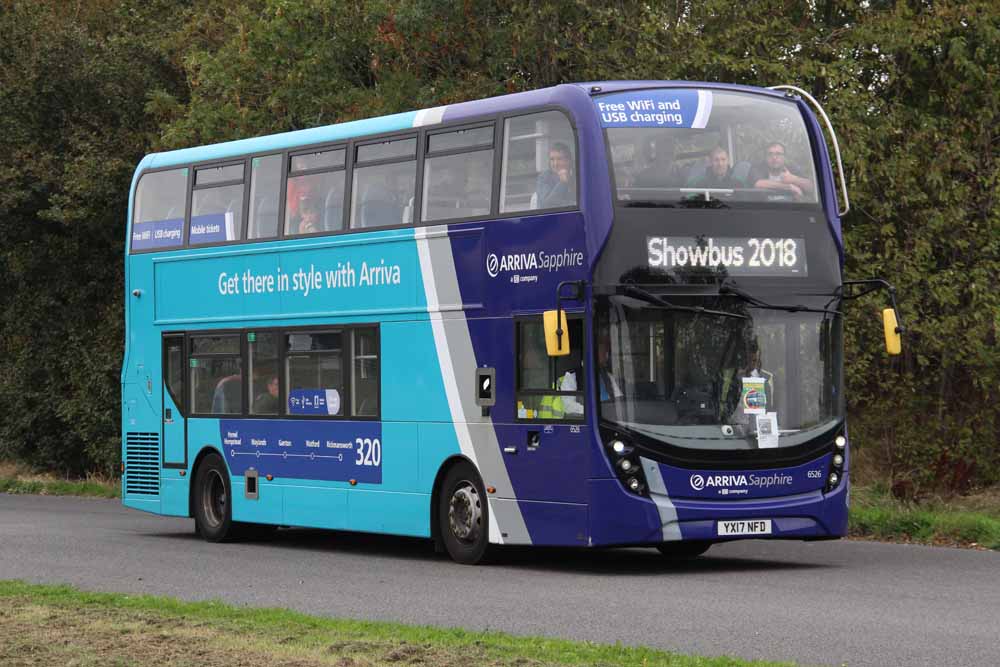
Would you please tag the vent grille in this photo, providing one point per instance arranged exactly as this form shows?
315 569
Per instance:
142 464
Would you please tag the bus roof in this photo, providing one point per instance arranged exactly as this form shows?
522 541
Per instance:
570 96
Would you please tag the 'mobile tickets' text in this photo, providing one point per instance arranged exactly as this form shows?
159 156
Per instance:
748 256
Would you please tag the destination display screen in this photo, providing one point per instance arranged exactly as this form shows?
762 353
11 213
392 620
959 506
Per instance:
750 256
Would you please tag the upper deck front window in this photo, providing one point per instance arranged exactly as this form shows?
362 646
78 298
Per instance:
687 147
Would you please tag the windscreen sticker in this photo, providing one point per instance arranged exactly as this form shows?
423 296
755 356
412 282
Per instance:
157 234
753 397
213 228
767 430
314 402
685 108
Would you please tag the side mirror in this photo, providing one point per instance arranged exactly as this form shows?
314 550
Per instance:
556 332
893 341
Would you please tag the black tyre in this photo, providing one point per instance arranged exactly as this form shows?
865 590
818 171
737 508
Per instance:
463 515
213 501
683 550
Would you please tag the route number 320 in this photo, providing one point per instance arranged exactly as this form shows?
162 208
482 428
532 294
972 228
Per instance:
369 452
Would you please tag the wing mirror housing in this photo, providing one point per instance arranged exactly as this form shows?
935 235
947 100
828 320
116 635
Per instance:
556 332
554 321
893 336
891 325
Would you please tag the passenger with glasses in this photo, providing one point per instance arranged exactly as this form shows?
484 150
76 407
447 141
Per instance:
774 174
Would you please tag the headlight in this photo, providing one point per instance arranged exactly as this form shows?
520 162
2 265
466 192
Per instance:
618 446
626 465
841 442
838 460
834 478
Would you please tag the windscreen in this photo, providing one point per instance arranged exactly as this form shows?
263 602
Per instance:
684 147
758 378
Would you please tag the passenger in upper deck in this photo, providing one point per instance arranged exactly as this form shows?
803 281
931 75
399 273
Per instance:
719 174
556 187
308 218
662 171
774 174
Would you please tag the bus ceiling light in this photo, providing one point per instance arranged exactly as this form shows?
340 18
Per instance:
618 446
841 442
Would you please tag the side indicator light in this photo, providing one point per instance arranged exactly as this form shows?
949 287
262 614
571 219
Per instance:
491 489
269 477
183 472
353 482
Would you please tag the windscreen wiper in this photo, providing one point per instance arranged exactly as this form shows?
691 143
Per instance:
648 203
727 288
649 297
698 202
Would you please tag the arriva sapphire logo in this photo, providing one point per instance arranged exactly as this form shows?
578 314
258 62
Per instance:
533 261
492 265
724 482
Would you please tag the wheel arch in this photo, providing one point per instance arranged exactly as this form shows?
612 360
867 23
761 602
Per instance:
205 451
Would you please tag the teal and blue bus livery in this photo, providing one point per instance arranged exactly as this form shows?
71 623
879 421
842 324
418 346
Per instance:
342 327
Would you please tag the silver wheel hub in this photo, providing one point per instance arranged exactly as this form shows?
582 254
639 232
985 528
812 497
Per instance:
465 513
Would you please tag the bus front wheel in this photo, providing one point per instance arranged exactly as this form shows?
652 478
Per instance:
213 501
463 515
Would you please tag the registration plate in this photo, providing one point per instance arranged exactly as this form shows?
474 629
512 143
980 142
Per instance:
751 527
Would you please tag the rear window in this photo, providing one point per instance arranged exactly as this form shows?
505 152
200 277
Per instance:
158 219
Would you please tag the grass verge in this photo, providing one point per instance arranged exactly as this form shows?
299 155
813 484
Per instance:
14 479
47 625
972 521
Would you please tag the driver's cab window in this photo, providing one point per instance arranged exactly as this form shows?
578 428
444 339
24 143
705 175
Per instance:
549 388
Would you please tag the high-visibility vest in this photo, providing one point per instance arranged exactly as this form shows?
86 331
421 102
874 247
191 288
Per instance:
551 406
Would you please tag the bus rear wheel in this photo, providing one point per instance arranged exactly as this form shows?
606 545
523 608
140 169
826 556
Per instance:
463 515
213 504
683 550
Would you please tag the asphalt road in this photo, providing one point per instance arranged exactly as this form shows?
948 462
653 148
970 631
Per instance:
826 603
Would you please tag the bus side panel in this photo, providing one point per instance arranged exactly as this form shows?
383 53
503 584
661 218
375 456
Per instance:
516 270
141 427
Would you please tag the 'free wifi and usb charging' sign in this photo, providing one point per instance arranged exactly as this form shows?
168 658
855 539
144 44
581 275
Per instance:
685 108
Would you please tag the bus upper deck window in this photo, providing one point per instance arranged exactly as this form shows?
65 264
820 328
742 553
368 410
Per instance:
458 174
158 220
314 198
265 183
217 205
539 163
384 184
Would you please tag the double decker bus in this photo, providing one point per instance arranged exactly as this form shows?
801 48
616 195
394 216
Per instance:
591 315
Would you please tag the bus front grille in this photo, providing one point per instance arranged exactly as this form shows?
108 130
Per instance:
142 464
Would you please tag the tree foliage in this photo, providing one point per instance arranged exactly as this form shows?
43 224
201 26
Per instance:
913 88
